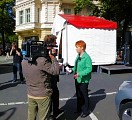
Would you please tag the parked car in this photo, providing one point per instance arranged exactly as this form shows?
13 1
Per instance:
123 101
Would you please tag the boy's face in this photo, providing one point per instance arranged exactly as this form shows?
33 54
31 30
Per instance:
79 49
13 46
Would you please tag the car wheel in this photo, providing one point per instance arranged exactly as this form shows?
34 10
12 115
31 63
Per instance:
125 112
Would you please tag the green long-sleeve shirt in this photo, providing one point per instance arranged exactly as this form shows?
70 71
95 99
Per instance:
83 66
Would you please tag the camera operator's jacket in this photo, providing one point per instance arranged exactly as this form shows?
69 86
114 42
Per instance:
38 75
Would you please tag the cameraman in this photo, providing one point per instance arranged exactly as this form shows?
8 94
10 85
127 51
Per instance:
38 73
51 39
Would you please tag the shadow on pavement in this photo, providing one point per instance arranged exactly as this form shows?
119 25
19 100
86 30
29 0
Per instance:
69 109
11 110
99 95
9 84
70 106
6 68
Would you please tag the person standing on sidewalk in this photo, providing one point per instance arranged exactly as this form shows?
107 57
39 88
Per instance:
7 51
17 59
82 74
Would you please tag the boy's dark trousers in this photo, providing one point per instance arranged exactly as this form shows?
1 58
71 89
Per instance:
17 67
82 97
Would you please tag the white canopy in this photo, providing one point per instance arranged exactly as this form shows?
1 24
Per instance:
100 38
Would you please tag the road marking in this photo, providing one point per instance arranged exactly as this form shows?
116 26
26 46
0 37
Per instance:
13 103
96 95
93 117
61 99
104 94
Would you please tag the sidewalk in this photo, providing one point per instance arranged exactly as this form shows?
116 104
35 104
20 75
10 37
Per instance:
7 61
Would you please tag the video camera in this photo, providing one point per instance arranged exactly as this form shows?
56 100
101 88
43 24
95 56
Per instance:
33 49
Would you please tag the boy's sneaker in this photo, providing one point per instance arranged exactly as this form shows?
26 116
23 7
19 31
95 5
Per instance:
13 81
23 82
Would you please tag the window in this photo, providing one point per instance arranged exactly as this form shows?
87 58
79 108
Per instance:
67 11
27 15
20 17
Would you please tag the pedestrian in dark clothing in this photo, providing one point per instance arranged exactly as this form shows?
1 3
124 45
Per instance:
17 59
51 39
7 51
55 96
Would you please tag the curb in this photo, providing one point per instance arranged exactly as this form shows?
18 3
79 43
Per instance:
6 64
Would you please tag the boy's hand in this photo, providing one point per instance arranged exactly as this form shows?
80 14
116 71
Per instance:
76 76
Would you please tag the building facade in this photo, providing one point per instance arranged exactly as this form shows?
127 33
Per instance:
34 18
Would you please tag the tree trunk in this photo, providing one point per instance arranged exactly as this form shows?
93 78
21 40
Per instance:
3 40
124 31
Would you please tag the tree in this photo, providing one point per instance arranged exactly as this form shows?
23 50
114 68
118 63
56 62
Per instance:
119 11
6 19
80 4
116 10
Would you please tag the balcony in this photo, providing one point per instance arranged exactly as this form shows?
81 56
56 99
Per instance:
27 26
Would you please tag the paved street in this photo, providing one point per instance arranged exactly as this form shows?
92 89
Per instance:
102 90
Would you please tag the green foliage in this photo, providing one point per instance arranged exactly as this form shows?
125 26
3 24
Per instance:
116 10
7 21
13 38
80 4
6 16
119 11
